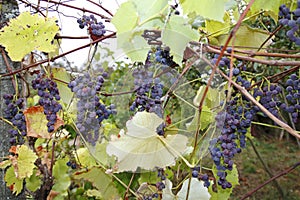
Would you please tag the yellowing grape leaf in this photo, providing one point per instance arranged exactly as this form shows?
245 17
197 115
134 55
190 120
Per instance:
27 33
15 184
36 122
5 164
23 163
143 147
246 37
100 180
271 6
216 28
196 190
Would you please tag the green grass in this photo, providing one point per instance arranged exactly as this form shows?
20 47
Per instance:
278 156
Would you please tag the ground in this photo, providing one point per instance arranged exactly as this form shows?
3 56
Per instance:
278 156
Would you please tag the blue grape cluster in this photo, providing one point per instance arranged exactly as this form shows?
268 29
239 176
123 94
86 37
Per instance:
270 98
233 122
224 62
203 177
90 111
148 92
72 164
291 20
49 96
14 114
95 28
163 56
292 97
160 174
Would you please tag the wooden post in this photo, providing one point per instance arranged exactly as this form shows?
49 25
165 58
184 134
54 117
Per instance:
8 9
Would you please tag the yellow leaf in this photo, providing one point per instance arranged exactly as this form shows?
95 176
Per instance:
27 33
25 161
36 122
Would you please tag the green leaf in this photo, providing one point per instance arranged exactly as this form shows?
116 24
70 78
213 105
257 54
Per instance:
126 17
62 179
206 118
101 181
64 77
125 20
84 157
213 97
150 9
33 182
27 33
101 155
272 6
136 48
131 19
12 181
232 177
211 9
26 158
149 177
180 31
246 37
143 147
217 28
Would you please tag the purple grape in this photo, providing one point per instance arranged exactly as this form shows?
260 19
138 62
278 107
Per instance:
90 111
49 95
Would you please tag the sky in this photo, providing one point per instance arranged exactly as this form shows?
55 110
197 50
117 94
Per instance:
69 26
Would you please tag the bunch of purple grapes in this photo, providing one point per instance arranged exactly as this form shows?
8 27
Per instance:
148 92
291 20
292 97
96 28
233 122
49 96
14 114
224 64
270 98
90 111
203 177
163 56
161 174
